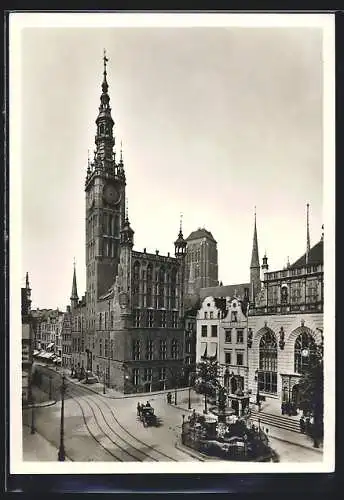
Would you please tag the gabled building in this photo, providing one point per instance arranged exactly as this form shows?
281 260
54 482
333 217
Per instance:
285 323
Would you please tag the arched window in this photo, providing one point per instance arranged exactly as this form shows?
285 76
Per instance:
136 281
149 285
161 287
173 289
267 374
304 351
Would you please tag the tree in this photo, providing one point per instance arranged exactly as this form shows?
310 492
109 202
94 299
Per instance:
311 390
208 372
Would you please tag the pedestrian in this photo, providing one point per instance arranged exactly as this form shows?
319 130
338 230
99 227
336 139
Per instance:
148 404
138 409
302 425
307 425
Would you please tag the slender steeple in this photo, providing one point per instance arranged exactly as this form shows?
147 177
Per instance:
74 296
27 284
255 253
255 265
308 244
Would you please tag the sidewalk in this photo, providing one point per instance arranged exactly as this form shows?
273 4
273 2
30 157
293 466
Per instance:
98 388
40 399
38 449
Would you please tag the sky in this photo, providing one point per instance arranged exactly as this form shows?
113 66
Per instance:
214 122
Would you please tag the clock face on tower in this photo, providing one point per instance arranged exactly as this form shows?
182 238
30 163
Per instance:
111 194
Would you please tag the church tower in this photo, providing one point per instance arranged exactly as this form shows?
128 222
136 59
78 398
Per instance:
74 299
255 283
105 205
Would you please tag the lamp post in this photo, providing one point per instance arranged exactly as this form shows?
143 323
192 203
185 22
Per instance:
205 404
50 387
33 429
104 389
61 454
257 395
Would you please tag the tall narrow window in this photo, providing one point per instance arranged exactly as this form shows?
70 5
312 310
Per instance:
163 319
136 350
267 375
136 376
149 350
174 349
240 336
137 317
149 286
174 319
214 330
163 349
161 300
136 281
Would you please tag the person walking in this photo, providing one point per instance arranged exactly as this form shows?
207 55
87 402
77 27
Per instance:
138 409
302 425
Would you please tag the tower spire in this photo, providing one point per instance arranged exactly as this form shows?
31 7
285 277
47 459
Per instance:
255 266
27 284
308 238
181 225
104 138
105 85
255 253
74 296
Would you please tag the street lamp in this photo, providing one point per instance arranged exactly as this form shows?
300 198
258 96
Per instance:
205 404
33 429
50 387
104 390
257 395
61 454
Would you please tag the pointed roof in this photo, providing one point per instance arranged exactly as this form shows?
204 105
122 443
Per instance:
74 295
315 256
255 254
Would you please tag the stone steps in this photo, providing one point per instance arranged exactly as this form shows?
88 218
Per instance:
276 420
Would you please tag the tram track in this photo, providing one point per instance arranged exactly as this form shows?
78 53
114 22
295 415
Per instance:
162 456
92 401
107 434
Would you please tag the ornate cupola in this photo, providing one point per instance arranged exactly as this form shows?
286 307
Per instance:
127 233
180 244
265 265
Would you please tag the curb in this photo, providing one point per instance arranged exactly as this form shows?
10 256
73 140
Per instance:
124 396
191 454
319 450
40 405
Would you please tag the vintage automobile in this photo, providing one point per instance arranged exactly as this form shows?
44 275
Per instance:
147 416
